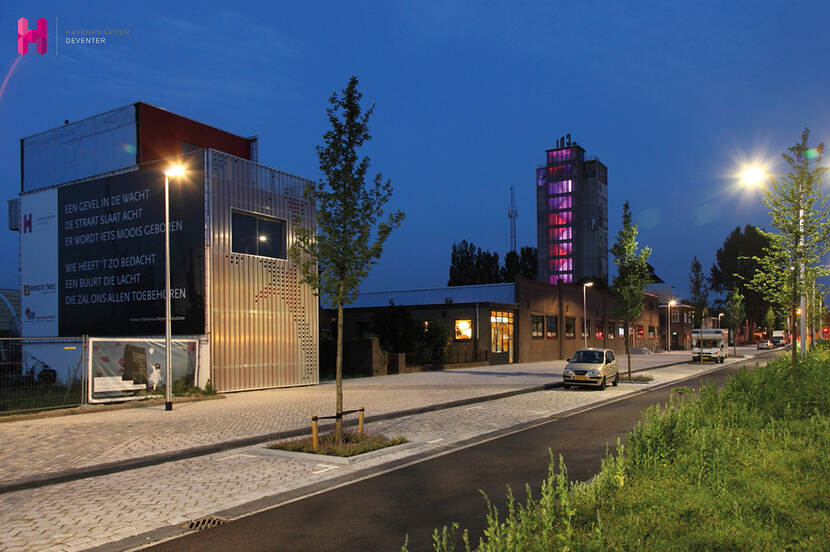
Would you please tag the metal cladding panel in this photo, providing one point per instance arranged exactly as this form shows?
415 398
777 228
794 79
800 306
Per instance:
96 145
263 322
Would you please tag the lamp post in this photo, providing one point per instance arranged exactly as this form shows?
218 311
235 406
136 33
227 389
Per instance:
720 315
668 324
585 286
177 170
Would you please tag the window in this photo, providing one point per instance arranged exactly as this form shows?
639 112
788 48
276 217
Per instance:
651 331
640 332
501 333
585 328
621 329
570 326
257 235
611 326
463 330
609 356
552 326
537 325
598 329
675 317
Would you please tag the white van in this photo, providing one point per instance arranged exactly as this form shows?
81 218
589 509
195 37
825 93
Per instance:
713 346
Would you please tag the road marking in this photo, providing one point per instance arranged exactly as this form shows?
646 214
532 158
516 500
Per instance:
326 467
234 456
435 441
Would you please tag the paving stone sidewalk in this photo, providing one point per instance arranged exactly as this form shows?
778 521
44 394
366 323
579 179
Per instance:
38 447
43 446
115 511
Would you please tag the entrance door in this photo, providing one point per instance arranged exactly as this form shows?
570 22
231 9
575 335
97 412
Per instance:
501 337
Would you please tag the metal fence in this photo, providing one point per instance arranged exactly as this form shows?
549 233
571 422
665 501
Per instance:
41 373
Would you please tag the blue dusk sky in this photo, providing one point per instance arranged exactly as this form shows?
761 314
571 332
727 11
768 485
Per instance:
671 96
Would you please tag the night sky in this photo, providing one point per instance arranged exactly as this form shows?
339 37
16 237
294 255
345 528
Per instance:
671 96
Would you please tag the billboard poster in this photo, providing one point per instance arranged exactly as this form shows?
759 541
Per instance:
120 368
39 264
110 253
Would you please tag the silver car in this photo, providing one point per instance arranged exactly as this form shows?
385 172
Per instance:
592 368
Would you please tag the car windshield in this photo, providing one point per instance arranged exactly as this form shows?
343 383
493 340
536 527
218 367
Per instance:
593 357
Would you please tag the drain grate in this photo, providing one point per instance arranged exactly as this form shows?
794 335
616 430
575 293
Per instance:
203 523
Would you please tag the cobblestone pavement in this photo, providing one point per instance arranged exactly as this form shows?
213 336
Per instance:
93 511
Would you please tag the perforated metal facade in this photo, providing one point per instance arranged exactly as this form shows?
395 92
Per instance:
262 321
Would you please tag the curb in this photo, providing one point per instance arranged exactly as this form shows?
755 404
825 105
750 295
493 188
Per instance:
107 468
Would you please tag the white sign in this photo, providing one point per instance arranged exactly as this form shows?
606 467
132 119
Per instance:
39 263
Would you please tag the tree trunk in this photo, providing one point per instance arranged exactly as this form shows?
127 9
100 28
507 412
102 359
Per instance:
628 349
794 324
338 377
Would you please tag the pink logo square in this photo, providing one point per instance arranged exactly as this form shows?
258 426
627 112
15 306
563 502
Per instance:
35 36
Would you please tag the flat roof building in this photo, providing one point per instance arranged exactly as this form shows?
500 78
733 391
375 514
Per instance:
90 217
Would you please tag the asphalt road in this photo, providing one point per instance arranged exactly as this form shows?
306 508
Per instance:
376 513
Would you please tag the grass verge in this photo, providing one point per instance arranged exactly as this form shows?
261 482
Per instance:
741 468
637 378
353 444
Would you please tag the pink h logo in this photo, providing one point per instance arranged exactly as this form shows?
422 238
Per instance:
36 36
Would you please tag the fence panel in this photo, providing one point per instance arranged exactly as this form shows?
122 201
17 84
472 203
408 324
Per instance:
41 373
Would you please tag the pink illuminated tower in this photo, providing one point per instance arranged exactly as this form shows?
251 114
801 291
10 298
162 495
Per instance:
571 216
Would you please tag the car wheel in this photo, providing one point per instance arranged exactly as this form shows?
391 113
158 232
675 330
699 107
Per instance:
602 385
616 379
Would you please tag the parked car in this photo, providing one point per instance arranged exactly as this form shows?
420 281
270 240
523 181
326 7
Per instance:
591 368
765 344
777 341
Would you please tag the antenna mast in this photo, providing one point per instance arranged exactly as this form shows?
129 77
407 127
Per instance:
512 213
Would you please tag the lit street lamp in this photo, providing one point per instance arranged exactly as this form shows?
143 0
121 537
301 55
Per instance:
668 323
720 315
176 170
585 286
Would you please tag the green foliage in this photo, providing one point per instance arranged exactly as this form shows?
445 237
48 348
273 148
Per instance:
398 332
735 313
471 265
735 263
352 444
351 228
698 293
527 262
740 468
770 321
632 275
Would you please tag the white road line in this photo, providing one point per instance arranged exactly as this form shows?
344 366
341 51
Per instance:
326 468
235 456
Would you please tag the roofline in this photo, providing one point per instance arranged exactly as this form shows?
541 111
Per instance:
477 286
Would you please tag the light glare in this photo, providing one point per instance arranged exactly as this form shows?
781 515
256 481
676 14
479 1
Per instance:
175 170
753 176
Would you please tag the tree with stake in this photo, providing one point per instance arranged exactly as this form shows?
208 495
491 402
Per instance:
699 294
769 321
735 315
351 228
632 276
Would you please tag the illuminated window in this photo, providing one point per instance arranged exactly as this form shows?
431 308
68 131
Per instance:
561 187
586 328
560 249
621 330
537 325
257 235
598 329
675 317
611 326
570 326
651 331
463 330
561 265
559 234
501 333
560 218
552 326
640 332
560 202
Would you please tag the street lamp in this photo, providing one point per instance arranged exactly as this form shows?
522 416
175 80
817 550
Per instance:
755 176
720 314
668 324
585 286
176 170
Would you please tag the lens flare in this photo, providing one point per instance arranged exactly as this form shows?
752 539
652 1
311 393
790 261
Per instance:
8 75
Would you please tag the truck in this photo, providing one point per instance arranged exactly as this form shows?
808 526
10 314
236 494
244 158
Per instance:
779 338
709 344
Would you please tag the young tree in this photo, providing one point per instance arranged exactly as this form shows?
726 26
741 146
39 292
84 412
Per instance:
699 293
351 228
735 315
800 214
632 276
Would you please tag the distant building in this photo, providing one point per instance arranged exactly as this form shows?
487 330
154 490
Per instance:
571 216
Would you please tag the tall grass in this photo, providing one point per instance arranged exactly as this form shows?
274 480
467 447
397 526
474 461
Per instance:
746 467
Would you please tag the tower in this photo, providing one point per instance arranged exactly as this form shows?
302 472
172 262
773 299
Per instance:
571 216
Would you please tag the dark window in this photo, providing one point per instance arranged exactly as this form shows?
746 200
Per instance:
609 356
552 327
570 326
585 328
537 325
256 235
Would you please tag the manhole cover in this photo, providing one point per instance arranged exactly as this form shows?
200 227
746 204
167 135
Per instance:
203 523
